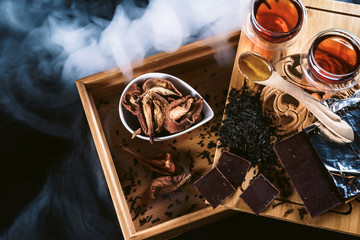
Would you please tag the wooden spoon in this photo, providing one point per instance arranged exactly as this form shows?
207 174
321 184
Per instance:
257 68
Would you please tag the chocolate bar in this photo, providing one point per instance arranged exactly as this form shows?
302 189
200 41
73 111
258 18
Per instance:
233 167
341 160
308 174
214 187
259 194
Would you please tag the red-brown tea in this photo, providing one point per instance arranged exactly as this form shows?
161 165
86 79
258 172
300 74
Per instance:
334 59
277 20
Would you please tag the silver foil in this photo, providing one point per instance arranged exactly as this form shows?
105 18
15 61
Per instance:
336 105
342 161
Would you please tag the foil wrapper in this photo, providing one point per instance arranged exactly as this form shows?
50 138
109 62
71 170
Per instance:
342 161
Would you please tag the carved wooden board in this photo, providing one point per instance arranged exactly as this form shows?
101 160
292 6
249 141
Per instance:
321 15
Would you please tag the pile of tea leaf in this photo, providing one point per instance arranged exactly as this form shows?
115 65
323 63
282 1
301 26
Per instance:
246 130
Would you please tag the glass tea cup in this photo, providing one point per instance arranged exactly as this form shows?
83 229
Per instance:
330 61
275 24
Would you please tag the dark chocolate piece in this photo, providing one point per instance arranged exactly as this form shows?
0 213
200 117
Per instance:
341 160
233 167
214 187
259 194
308 174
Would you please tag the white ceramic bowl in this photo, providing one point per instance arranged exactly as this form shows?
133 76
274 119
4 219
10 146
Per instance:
131 123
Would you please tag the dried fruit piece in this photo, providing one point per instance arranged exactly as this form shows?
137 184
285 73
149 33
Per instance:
161 163
182 113
131 102
180 110
147 111
167 184
160 104
156 105
130 99
136 132
161 86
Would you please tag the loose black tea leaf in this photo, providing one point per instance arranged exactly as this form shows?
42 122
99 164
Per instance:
144 220
169 214
211 145
288 212
246 130
302 212
205 154
193 206
155 220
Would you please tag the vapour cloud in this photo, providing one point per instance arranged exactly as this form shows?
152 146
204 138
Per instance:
50 44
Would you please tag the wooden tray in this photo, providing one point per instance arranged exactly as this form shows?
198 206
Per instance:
321 15
126 178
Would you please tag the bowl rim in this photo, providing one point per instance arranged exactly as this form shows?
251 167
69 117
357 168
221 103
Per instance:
206 110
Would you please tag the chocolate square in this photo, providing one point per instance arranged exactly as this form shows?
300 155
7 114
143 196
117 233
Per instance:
259 194
233 167
214 187
308 174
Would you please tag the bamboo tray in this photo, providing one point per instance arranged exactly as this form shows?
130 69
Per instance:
321 15
128 180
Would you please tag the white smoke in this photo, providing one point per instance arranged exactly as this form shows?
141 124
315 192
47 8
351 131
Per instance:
62 43
164 26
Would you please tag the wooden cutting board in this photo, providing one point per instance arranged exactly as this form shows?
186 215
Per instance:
322 15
